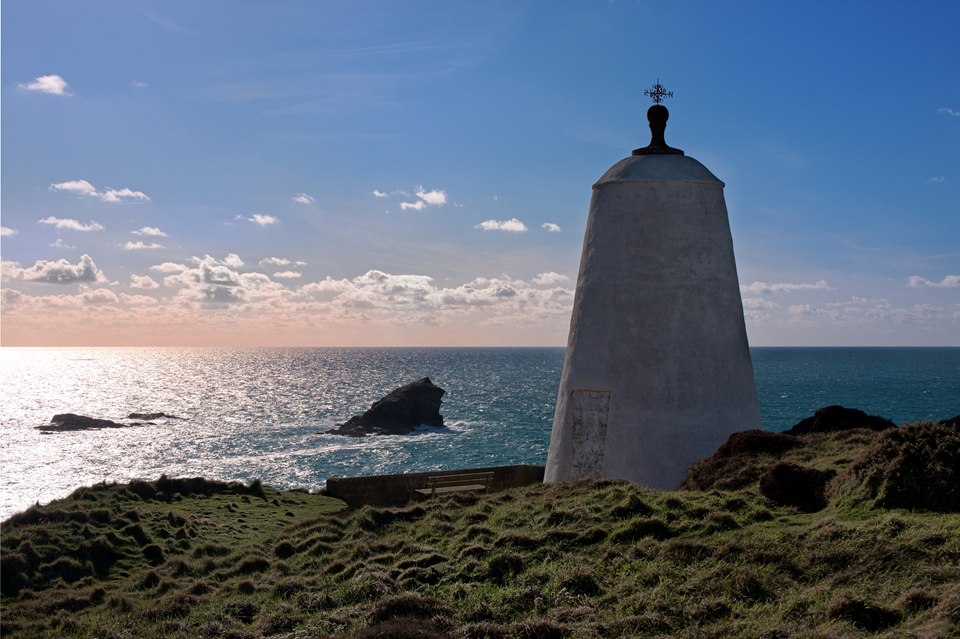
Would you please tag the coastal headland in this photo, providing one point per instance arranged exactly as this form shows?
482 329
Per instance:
877 553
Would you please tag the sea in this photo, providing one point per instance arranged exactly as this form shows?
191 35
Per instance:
262 412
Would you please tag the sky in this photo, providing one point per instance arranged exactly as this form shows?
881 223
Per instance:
365 173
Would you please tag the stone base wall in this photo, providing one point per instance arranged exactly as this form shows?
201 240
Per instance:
397 490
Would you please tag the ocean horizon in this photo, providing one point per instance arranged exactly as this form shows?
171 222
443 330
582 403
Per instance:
262 412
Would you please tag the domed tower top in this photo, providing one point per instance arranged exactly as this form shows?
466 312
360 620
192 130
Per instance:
657 116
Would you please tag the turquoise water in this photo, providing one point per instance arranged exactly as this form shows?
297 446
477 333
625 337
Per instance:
261 412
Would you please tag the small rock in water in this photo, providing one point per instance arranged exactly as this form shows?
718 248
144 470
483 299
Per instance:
71 421
151 416
399 413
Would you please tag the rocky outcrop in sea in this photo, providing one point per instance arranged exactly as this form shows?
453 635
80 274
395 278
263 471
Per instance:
399 413
68 422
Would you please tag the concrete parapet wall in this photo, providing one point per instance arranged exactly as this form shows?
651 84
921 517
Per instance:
397 490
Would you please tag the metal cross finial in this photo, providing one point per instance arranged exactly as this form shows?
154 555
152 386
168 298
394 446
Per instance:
658 93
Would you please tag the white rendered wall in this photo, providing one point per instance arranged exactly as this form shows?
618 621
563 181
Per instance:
657 371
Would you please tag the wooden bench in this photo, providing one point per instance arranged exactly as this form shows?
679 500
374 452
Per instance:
466 482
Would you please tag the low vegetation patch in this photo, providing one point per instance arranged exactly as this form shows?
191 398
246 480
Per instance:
187 558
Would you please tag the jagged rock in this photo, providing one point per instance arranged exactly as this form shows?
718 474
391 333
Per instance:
834 418
798 486
151 416
70 421
399 413
953 421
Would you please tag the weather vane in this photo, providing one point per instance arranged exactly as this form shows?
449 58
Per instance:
658 93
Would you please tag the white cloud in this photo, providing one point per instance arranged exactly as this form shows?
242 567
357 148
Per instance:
151 231
288 275
378 193
550 226
73 225
143 281
303 198
512 225
950 281
7 232
433 198
782 287
949 111
169 267
141 246
262 220
123 195
138 300
50 84
137 84
114 196
757 303
61 244
274 261
936 179
98 296
233 260
58 272
550 278
425 198
81 187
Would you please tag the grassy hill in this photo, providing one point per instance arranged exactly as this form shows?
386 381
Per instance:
192 558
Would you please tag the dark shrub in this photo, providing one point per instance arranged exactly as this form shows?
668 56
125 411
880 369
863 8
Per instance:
66 568
143 490
288 587
709 610
757 441
913 467
246 587
643 527
136 532
797 486
256 489
513 540
211 549
14 573
252 565
504 566
581 583
833 418
175 606
374 519
153 554
100 516
869 617
916 599
101 554
149 580
404 628
739 462
407 605
632 506
279 621
538 629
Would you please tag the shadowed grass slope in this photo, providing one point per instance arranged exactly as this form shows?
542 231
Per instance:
582 559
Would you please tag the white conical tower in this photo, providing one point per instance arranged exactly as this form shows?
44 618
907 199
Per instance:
657 371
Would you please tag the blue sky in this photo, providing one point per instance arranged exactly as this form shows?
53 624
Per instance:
382 173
